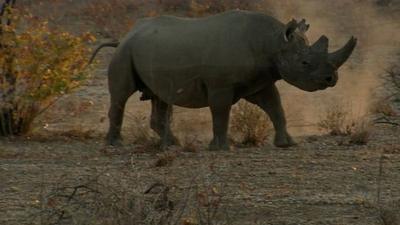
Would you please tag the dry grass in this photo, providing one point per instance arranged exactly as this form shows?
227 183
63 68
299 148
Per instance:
105 198
166 158
77 133
389 214
250 126
361 132
94 200
142 133
338 121
335 121
388 211
190 144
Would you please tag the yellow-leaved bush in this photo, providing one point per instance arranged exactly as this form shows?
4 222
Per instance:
37 64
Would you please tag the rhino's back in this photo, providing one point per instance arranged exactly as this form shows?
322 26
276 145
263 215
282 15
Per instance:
179 58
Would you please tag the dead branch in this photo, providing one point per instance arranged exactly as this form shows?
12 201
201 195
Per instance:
385 120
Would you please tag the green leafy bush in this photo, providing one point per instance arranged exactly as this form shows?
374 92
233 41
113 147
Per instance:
37 64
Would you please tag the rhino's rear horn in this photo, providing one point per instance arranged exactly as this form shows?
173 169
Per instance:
340 56
321 45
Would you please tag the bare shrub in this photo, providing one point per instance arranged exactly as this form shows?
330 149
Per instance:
95 200
174 5
207 7
384 2
392 78
37 64
198 9
249 124
217 6
384 107
113 18
336 121
392 82
361 132
142 133
104 198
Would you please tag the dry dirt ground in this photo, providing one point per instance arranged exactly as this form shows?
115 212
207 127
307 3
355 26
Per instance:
323 180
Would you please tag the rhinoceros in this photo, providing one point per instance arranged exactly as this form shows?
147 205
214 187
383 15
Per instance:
214 62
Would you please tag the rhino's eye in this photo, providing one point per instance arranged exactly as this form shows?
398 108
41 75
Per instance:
305 63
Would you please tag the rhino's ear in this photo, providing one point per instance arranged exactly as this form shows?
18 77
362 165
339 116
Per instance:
303 26
289 30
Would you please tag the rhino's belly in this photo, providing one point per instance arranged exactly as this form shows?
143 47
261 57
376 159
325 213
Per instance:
190 93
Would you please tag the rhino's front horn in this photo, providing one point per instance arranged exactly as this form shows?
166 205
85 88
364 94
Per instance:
340 56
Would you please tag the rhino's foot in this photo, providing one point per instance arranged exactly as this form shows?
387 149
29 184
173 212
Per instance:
217 146
284 141
171 141
114 141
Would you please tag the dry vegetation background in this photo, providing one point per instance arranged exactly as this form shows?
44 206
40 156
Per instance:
345 170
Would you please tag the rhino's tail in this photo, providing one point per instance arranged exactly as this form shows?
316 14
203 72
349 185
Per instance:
108 44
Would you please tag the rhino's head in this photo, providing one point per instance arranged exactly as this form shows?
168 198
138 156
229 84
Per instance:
309 67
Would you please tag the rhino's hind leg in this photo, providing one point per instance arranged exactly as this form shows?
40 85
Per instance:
121 84
161 115
115 114
269 100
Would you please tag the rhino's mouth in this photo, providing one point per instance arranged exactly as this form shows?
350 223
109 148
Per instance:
310 85
323 88
316 88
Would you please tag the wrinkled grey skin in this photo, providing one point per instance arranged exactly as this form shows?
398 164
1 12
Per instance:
213 62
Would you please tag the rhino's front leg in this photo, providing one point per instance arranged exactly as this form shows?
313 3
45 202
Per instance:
220 103
269 100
